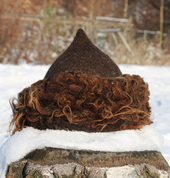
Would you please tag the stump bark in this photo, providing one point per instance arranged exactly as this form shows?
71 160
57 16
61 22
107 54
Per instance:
63 163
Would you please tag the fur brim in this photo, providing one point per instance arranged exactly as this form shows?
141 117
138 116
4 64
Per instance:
79 101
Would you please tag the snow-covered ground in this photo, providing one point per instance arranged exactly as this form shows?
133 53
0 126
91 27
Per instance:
14 78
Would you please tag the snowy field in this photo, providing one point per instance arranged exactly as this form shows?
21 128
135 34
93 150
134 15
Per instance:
14 78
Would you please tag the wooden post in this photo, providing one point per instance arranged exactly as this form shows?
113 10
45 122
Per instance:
92 9
54 162
125 43
161 22
114 38
125 9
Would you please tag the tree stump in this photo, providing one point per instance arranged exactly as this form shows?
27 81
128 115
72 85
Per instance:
64 163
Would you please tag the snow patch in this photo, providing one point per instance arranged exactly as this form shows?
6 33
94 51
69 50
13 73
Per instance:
29 139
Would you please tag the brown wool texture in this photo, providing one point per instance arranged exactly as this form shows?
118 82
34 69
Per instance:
83 55
80 101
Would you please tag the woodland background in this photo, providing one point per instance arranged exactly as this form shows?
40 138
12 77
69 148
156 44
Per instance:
129 31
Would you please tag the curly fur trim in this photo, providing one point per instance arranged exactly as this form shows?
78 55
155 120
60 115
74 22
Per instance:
79 101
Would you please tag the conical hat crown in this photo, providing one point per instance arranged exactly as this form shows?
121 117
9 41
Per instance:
83 56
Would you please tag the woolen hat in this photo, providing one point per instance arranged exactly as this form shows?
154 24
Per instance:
83 55
84 90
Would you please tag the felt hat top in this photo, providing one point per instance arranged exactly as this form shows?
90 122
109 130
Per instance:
83 55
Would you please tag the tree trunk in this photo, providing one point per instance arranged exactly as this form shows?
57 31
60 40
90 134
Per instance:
62 163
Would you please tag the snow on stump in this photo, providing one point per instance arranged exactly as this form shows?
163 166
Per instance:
83 93
62 163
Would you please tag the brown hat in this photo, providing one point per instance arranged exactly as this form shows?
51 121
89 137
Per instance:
83 56
82 91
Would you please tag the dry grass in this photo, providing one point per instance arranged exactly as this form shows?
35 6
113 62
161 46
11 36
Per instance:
40 40
145 51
